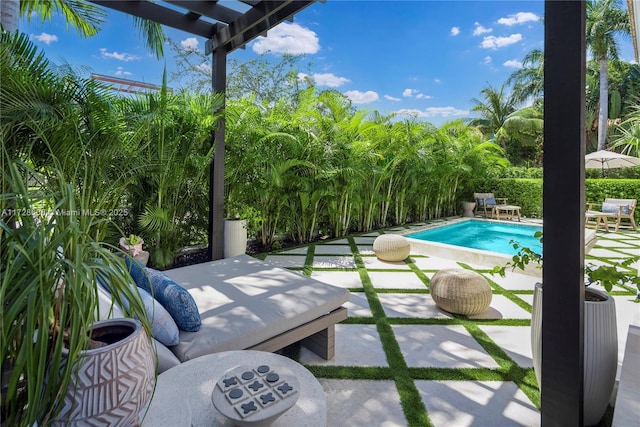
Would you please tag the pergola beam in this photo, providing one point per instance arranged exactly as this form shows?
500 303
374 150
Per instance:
210 9
155 12
262 17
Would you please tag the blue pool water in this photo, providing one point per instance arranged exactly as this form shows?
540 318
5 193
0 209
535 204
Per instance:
483 235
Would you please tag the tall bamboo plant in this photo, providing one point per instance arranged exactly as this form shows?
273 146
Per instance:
169 138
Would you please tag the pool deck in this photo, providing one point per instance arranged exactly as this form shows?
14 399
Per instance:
402 361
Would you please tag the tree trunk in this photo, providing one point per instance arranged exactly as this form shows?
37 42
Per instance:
604 104
9 14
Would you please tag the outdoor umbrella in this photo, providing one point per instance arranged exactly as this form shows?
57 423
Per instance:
604 159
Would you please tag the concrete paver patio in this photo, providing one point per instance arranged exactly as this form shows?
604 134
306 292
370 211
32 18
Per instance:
400 360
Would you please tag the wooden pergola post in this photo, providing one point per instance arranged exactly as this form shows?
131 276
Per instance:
563 206
216 176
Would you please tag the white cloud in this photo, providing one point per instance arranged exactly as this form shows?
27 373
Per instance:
288 38
358 97
513 63
438 81
391 98
409 92
519 18
433 112
493 42
480 30
205 66
329 79
120 72
487 60
45 38
190 44
455 31
126 57
423 96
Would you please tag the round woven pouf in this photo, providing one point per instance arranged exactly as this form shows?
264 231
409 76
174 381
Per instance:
391 247
460 291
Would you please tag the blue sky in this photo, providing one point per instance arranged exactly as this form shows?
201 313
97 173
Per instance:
424 58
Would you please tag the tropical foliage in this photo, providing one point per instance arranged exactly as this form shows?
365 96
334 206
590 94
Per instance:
87 18
61 185
297 168
605 20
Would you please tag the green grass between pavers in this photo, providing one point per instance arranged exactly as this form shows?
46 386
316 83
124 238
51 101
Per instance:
499 290
423 277
414 409
404 376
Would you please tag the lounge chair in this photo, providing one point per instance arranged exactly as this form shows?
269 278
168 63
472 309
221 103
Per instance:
619 209
246 304
487 202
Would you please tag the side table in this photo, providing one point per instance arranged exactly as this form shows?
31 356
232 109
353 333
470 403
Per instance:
183 394
597 219
509 211
467 209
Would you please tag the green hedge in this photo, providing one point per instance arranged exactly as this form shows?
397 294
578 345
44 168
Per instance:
527 193
523 192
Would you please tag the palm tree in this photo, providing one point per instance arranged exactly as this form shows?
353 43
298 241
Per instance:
523 130
605 21
528 81
84 16
493 109
628 135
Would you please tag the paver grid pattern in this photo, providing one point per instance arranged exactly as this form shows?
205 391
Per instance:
400 360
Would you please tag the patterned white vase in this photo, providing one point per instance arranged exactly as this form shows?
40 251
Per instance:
114 383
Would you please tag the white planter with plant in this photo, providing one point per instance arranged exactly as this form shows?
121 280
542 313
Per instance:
600 330
600 349
132 244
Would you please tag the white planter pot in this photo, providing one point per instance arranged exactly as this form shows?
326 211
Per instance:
235 237
114 383
600 351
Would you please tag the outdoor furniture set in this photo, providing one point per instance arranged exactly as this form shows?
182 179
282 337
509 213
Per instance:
491 207
616 209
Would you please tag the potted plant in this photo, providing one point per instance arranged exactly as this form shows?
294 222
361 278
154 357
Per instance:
132 244
600 331
51 260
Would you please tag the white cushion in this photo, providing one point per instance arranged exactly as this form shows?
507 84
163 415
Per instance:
163 327
244 301
166 359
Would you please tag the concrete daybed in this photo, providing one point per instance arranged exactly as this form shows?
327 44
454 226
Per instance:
246 303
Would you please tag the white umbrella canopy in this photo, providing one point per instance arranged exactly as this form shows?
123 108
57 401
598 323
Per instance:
604 159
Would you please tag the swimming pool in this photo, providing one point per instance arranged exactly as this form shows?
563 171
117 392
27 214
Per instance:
483 235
